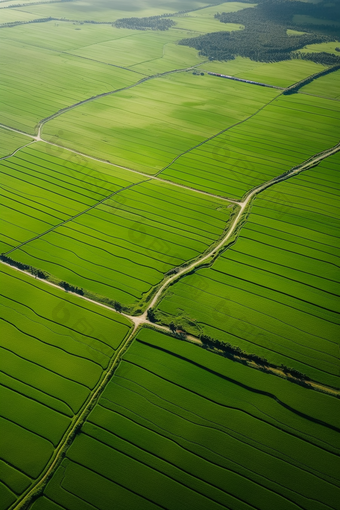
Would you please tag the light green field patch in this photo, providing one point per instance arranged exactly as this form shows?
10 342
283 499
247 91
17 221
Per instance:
61 35
108 11
201 25
294 32
146 127
66 81
133 47
327 47
13 15
173 57
325 86
287 132
209 12
281 74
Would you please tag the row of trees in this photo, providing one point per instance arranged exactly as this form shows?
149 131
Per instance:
25 267
71 288
232 350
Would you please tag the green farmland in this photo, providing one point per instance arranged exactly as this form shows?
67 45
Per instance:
54 352
275 291
179 427
164 118
63 206
169 255
280 136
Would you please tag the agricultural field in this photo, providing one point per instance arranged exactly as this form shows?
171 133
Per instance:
54 351
179 427
108 11
279 74
67 80
280 136
151 227
275 292
326 86
164 117
10 142
169 255
43 187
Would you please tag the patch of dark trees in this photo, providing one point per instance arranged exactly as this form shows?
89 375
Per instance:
230 351
24 267
151 23
265 38
71 288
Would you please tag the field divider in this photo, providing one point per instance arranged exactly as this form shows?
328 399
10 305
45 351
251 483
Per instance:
218 134
61 224
17 150
59 453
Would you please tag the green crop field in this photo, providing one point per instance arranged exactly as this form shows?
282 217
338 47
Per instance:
178 427
27 102
276 291
151 227
326 86
10 142
164 117
53 353
42 188
169 255
280 74
280 136
110 10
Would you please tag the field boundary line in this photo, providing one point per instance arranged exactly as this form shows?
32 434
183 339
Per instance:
104 63
17 150
217 134
26 499
143 174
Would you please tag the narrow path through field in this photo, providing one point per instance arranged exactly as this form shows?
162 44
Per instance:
16 150
311 162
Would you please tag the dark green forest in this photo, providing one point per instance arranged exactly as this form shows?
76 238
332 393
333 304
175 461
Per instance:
152 23
264 37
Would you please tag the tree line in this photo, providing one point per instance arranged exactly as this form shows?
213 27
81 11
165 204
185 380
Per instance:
231 350
25 267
